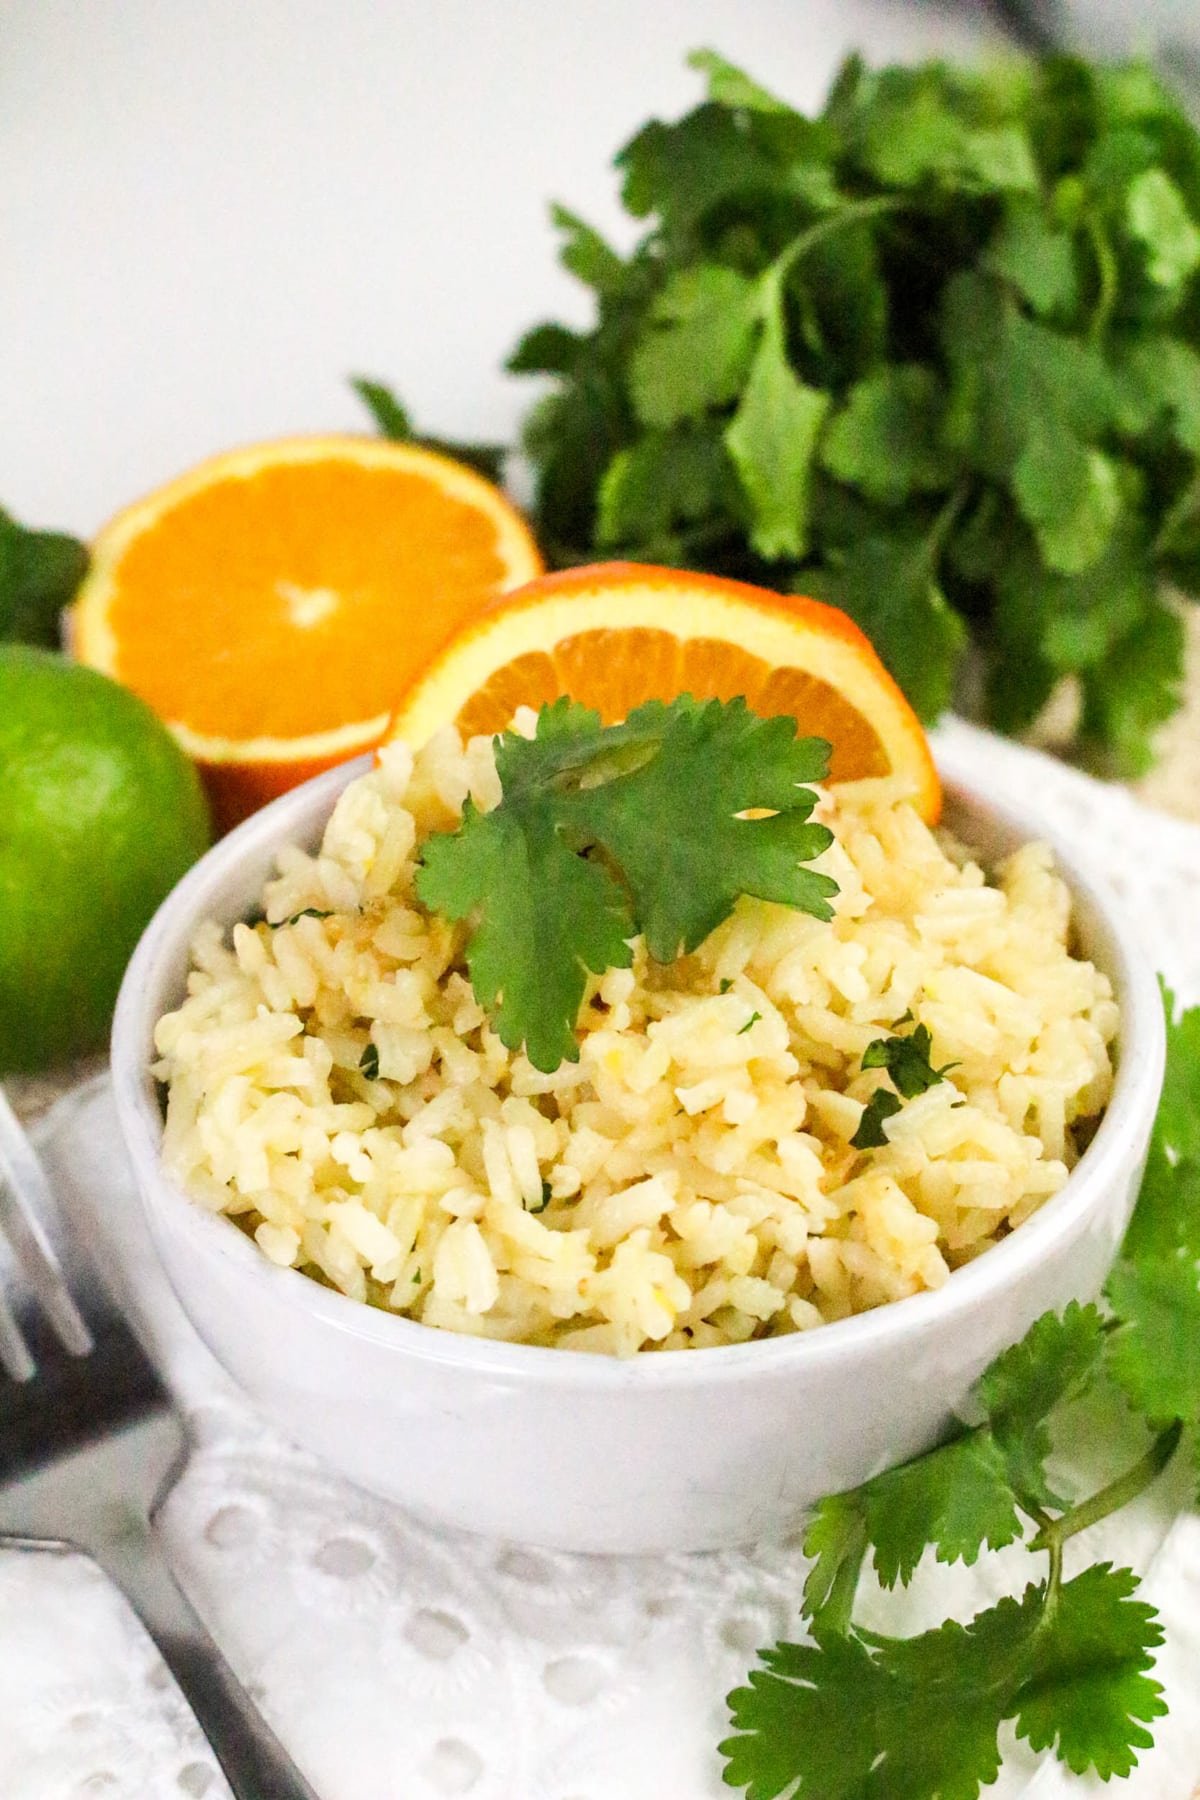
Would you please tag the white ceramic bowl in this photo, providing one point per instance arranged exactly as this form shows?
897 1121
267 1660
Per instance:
688 1451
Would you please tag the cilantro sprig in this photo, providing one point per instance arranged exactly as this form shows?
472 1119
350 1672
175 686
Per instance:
854 1714
605 832
933 354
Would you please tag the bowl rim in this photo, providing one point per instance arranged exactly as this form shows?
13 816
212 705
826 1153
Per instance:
168 1209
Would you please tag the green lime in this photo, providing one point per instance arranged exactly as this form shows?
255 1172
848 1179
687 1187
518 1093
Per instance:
100 814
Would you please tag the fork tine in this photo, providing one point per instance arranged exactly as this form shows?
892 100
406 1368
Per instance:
14 1351
16 1358
24 1201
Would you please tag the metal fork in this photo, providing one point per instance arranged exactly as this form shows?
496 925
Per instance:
81 1406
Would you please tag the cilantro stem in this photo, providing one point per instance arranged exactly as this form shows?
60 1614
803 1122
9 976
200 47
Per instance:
777 272
1054 1578
1041 1518
838 1610
1112 1498
945 522
1107 276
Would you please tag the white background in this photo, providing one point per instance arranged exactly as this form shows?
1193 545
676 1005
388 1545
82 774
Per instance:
212 211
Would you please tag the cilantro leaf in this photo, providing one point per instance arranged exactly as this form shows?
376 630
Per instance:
546 917
389 413
908 1060
730 86
1135 688
584 252
911 132
682 171
1027 1380
951 1689
545 1200
671 855
1103 622
870 1134
1070 1671
1070 496
392 421
566 730
1166 1220
1012 375
696 346
714 762
966 1494
772 440
1071 621
1155 1353
1158 377
835 1539
1087 1694
653 490
1154 1290
798 1725
953 1500
1177 1125
39 573
1158 216
1022 1387
884 439
571 437
888 584
840 294
547 349
1035 256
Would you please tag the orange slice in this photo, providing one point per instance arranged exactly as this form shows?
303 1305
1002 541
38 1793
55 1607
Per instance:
616 634
271 604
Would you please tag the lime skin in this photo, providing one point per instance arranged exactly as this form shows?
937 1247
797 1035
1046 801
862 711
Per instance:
100 814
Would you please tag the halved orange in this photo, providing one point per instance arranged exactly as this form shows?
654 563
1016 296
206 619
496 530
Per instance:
616 634
271 604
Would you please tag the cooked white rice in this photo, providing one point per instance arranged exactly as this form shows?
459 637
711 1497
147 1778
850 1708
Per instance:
690 1181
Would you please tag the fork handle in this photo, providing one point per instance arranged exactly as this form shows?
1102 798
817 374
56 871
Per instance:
255 1763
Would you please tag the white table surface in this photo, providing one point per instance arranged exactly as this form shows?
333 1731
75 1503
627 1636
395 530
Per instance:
212 211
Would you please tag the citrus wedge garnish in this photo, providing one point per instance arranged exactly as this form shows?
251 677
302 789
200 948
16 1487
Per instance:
616 634
271 604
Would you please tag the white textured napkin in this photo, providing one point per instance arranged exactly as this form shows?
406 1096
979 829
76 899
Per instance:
402 1663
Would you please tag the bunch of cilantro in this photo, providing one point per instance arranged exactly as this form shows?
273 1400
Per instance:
855 1714
933 355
